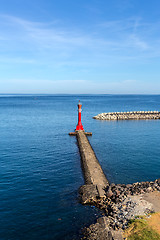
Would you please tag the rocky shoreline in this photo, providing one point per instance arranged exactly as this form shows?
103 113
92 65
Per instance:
120 204
134 115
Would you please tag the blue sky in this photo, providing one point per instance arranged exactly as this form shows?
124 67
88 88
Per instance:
87 46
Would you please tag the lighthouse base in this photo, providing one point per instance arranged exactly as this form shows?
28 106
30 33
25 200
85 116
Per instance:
75 133
79 127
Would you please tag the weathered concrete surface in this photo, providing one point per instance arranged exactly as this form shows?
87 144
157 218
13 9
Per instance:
75 133
154 199
88 194
93 172
94 176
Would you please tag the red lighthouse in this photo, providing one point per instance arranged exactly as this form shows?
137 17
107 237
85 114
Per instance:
79 125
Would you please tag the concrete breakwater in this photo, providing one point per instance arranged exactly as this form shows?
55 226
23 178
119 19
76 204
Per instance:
134 115
93 172
95 179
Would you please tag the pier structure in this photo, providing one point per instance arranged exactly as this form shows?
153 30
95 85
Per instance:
95 179
134 115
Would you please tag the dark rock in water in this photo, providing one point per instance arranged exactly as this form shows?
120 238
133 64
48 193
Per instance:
90 193
101 231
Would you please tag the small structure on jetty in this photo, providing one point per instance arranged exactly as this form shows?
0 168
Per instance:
79 125
95 179
134 115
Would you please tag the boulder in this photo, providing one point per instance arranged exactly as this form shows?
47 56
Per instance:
88 193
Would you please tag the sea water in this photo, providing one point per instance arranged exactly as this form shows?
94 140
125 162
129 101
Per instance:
40 169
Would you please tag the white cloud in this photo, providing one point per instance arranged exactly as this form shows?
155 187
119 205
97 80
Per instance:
133 34
121 40
43 33
57 51
137 42
16 60
40 86
117 35
77 87
124 87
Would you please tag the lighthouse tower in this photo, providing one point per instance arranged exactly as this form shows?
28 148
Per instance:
79 125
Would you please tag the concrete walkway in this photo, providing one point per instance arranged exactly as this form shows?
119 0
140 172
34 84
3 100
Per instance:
93 172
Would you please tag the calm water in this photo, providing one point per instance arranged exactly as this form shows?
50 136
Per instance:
40 163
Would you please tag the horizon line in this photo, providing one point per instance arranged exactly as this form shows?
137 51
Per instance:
79 93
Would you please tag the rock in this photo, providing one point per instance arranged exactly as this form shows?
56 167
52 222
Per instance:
123 202
103 221
112 185
109 193
88 193
128 115
158 181
149 189
101 231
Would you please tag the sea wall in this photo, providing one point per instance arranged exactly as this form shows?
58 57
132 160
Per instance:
95 179
136 115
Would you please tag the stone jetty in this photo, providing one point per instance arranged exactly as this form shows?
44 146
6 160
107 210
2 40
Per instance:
93 172
95 179
134 115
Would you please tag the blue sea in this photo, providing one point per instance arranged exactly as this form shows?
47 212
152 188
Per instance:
40 169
